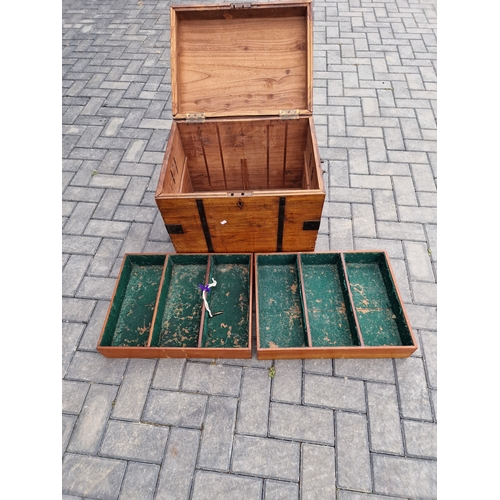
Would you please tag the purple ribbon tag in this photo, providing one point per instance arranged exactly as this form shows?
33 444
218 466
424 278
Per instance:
204 288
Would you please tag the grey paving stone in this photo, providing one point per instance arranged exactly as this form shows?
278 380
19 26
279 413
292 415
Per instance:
280 490
388 168
110 181
384 422
96 288
93 477
423 177
94 327
135 191
317 473
105 257
79 218
139 482
358 161
363 220
135 214
269 458
136 238
178 465
286 385
419 262
134 441
108 204
393 138
405 477
92 420
73 395
168 374
85 245
420 438
370 182
353 455
320 366
68 423
107 228
341 237
94 367
210 485
217 435
384 205
253 409
424 293
350 195
422 317
73 273
134 389
212 379
77 310
80 193
339 173
334 392
393 248
412 387
377 150
301 423
418 214
404 191
175 408
71 333
401 231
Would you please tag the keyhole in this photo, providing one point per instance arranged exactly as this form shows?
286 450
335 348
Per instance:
239 204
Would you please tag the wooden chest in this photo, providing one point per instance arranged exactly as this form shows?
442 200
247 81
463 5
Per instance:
241 171
329 305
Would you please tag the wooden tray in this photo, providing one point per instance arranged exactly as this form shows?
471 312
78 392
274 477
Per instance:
329 305
157 310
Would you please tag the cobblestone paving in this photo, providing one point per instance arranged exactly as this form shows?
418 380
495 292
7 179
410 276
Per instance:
198 429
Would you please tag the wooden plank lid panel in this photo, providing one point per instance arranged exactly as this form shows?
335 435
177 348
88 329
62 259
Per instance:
252 61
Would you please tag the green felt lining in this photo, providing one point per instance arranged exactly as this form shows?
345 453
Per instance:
281 322
179 308
331 320
377 306
131 313
231 295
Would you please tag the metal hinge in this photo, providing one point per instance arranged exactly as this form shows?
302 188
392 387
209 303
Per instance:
289 114
241 5
195 117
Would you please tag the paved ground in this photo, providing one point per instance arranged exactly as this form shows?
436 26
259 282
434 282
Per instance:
199 429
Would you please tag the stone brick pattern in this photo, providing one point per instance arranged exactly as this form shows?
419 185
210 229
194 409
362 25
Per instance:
209 429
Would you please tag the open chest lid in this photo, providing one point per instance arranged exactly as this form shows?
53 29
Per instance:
241 60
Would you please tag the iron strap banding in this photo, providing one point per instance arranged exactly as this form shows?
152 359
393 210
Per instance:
281 223
204 225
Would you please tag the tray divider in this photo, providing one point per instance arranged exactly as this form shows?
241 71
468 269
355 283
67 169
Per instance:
351 300
203 308
305 312
155 311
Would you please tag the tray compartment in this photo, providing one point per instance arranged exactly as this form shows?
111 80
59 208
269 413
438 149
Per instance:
232 296
330 315
180 304
378 309
280 315
131 311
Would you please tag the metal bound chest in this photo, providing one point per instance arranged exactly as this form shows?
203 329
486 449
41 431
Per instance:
241 170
